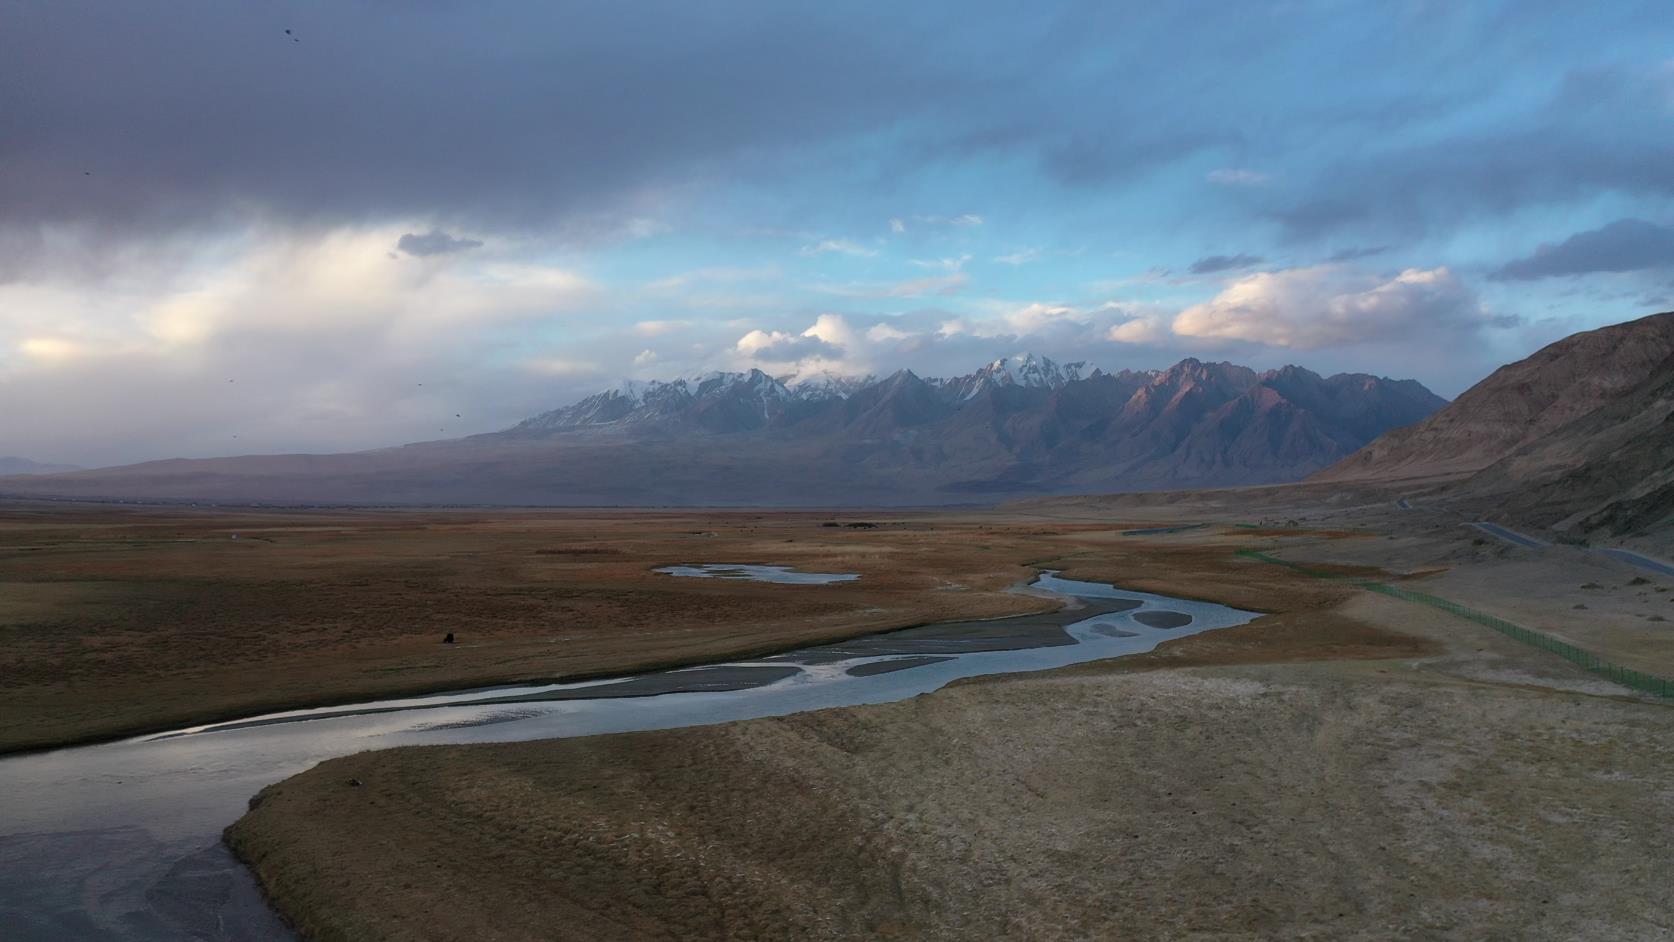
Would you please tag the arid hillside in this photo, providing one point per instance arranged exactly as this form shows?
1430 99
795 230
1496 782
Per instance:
1578 438
1519 404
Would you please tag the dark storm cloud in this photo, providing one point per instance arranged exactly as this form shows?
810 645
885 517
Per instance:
143 117
1210 264
1624 245
435 242
152 116
1598 131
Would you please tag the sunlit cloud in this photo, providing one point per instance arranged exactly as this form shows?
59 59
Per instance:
1327 305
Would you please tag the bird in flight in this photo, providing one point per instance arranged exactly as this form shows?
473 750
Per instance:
293 36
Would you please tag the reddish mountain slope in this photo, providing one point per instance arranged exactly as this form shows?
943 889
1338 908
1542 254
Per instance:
1517 405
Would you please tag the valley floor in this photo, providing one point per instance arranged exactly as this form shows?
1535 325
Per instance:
118 620
1351 766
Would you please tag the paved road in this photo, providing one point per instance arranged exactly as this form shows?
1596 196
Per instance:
1510 536
1156 531
1640 560
1648 563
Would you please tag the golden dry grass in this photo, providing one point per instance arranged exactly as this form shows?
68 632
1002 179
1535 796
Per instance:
119 620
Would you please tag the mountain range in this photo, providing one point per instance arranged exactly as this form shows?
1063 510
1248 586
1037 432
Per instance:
1018 425
12 464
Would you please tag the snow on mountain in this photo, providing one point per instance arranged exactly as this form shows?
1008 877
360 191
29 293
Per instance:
744 397
1025 370
1148 407
752 398
828 385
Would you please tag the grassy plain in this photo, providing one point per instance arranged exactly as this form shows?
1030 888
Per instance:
116 620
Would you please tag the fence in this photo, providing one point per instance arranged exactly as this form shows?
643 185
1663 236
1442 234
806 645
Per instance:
1627 677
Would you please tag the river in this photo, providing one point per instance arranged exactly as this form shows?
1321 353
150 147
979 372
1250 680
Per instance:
122 840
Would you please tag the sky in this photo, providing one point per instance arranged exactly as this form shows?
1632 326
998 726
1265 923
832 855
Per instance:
231 228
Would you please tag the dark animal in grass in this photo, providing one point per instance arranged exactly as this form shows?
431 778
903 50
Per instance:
448 639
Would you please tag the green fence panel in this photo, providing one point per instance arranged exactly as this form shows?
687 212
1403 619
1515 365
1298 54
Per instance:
1627 677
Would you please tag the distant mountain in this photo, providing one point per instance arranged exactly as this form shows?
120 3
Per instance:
742 402
1018 425
11 464
1578 437
1028 371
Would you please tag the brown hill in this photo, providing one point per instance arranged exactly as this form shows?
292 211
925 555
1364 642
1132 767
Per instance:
1578 439
1518 405
1607 473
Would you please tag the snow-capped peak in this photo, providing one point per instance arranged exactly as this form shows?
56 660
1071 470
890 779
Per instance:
718 395
1024 369
828 385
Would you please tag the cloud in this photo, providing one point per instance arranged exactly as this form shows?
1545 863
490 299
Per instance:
1235 176
493 121
434 242
935 342
953 264
911 288
1592 133
918 287
780 347
1140 330
290 343
1214 263
1309 308
1019 257
562 366
1620 246
658 328
49 349
961 221
1357 252
840 246
709 276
